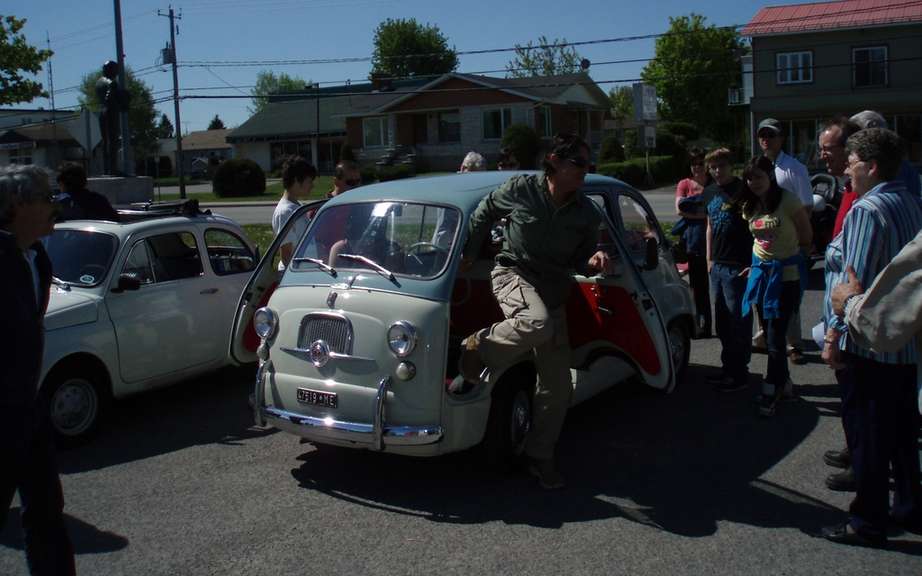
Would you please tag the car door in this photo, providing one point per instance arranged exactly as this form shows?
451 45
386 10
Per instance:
262 283
164 327
616 313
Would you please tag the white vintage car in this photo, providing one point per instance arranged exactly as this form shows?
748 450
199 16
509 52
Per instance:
362 351
136 306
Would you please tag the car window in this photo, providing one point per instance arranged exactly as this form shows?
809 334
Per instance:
81 257
138 263
228 253
175 256
637 225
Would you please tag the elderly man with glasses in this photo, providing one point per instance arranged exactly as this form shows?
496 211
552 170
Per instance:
27 454
551 230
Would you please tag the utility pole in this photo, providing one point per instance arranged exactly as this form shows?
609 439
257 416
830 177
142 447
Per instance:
180 171
54 126
127 162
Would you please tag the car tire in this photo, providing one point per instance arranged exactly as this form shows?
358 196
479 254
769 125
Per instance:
680 349
76 397
509 420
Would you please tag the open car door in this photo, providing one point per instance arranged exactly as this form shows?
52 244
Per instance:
265 278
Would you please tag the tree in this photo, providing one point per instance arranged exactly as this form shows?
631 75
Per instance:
695 64
216 123
404 47
544 59
524 143
622 104
16 58
267 82
165 128
142 129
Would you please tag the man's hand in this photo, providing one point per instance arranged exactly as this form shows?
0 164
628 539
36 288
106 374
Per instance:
841 292
600 262
833 356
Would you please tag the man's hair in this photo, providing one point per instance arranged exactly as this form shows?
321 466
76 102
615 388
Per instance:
72 176
343 167
296 169
718 155
473 162
565 145
21 184
844 124
869 119
880 145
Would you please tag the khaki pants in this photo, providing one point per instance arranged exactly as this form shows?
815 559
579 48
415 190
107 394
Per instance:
530 326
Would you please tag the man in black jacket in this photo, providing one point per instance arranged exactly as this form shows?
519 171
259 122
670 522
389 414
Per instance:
27 457
78 203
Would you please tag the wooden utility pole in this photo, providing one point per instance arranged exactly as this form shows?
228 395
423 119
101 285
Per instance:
180 169
127 161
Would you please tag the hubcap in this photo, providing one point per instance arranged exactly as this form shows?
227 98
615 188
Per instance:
520 420
74 406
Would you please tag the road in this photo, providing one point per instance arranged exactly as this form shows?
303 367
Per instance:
692 483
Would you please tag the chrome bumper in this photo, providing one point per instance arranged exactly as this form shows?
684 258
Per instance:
374 436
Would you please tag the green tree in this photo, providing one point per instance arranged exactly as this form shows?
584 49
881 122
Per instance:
524 143
165 127
142 116
546 58
216 123
16 59
694 66
267 82
622 104
404 47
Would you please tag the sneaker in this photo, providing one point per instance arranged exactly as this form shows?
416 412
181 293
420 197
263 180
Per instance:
546 473
768 401
730 385
846 534
470 364
838 458
842 481
758 342
797 356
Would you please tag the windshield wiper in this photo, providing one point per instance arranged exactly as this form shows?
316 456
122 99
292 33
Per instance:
323 266
61 283
384 271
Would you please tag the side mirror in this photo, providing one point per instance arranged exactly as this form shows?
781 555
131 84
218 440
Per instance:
651 257
127 282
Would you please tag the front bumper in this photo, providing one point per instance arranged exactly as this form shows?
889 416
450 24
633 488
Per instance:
374 436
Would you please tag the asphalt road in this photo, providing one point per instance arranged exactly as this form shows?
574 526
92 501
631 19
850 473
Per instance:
180 482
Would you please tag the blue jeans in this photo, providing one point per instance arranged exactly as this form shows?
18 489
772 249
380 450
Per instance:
733 328
775 329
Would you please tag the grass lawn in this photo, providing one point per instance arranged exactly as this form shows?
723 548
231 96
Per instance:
174 181
260 234
322 185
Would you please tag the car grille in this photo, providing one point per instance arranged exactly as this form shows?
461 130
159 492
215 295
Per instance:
333 329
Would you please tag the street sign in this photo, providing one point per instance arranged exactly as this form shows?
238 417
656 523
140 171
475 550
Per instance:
649 137
644 102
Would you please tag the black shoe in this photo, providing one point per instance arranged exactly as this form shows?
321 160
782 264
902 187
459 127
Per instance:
838 458
842 481
768 401
730 385
845 534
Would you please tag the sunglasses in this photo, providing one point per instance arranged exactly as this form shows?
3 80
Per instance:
767 135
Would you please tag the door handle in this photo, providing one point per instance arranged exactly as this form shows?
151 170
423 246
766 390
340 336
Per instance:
209 291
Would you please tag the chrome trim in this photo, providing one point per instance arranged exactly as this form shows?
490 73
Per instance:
328 316
357 432
380 399
411 330
333 355
258 393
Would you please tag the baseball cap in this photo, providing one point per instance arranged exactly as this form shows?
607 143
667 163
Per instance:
770 124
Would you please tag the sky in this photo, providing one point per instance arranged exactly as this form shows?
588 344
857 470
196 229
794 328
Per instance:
82 35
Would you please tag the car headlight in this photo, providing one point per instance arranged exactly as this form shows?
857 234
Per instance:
265 322
401 337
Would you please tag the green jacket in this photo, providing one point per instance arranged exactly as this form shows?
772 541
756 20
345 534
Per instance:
545 243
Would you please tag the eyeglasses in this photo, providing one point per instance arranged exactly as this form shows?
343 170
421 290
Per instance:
829 149
767 135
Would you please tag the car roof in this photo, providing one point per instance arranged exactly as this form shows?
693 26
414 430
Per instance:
148 223
462 190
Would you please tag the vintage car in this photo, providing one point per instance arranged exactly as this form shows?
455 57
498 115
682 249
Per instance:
362 351
137 305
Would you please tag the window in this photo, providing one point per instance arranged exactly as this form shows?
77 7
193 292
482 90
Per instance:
227 253
138 264
869 66
543 121
280 151
794 67
495 123
174 256
374 132
449 127
637 226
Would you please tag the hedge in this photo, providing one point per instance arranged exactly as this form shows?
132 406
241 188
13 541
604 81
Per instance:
397 172
238 177
665 169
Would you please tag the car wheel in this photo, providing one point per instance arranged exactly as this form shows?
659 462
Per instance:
680 349
75 403
509 421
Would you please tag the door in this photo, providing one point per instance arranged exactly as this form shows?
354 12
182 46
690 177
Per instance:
262 283
167 325
616 313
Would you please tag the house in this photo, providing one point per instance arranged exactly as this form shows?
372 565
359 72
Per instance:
454 113
44 144
199 149
815 61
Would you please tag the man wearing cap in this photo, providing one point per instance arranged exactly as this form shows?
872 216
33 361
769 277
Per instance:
793 176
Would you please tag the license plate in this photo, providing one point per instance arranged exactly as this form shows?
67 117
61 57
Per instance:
317 398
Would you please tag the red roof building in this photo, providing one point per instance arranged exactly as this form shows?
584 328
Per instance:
842 15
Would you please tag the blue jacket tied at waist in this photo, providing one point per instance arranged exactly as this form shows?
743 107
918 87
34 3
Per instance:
764 285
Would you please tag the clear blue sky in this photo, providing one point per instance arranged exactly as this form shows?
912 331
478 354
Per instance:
83 36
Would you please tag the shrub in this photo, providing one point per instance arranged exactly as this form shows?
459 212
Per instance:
238 177
524 143
346 154
397 172
632 148
662 168
369 174
611 150
685 130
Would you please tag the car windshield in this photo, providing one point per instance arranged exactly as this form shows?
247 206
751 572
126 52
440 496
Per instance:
388 238
80 257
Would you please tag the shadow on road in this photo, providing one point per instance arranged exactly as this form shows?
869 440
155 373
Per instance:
208 410
86 538
680 463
